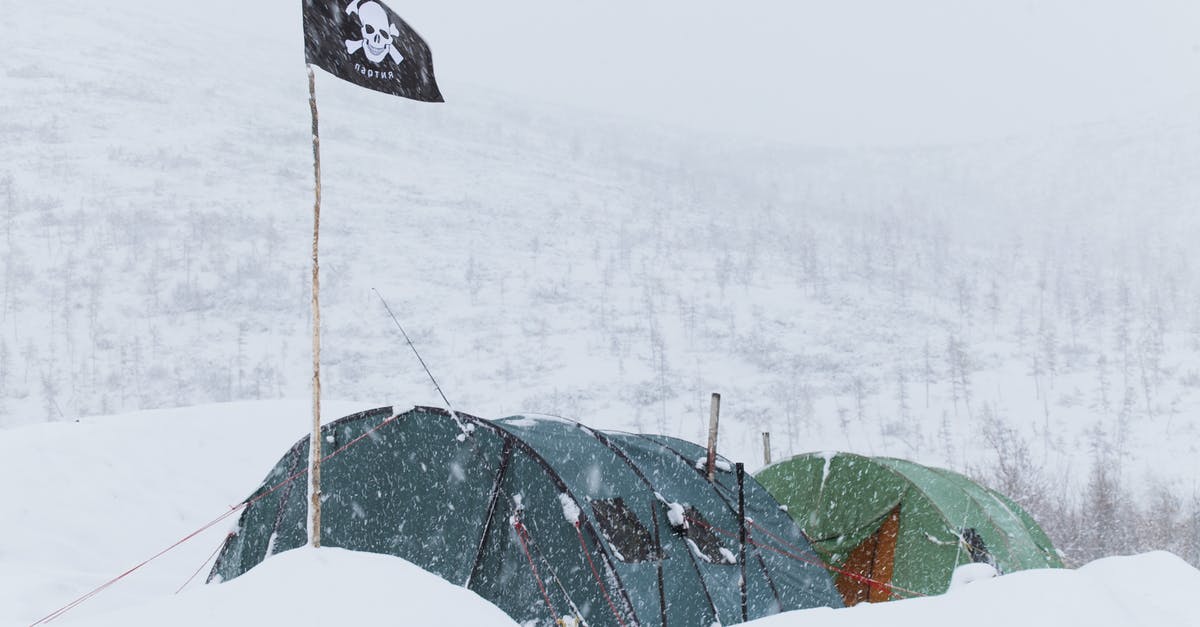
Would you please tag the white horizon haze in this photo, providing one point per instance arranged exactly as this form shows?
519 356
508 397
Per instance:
851 73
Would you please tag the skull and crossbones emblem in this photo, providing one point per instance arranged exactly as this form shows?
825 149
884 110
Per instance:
378 31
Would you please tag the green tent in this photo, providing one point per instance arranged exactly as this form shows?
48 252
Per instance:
896 529
543 517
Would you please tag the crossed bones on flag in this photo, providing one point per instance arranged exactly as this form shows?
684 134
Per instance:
377 32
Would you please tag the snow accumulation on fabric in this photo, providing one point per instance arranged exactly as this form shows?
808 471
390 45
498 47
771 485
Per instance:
530 419
1150 590
569 507
311 588
828 455
676 514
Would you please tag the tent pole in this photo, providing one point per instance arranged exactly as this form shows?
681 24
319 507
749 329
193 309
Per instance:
658 558
493 499
314 454
714 415
741 484
767 448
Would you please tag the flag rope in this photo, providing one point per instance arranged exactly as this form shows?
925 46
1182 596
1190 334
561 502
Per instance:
595 573
244 504
205 563
523 536
101 588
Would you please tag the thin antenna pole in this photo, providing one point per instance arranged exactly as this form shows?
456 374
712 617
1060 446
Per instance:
466 429
314 453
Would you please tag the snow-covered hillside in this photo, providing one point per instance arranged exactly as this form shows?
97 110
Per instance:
90 499
1024 310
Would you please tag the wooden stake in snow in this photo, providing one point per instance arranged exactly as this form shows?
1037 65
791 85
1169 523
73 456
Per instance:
713 417
766 448
314 453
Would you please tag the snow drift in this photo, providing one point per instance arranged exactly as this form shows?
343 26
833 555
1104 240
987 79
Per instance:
316 587
1156 589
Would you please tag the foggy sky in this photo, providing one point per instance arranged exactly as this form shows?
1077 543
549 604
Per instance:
824 71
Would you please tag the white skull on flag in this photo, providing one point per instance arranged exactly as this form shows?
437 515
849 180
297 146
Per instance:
378 31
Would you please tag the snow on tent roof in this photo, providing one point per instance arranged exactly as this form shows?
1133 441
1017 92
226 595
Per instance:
488 510
901 523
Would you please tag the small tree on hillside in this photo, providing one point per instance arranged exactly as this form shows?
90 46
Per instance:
994 307
1048 347
959 365
1014 471
1103 384
902 405
1122 333
858 388
1191 551
5 366
1102 530
928 374
1162 528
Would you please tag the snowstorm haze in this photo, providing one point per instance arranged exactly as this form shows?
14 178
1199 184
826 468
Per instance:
957 232
860 72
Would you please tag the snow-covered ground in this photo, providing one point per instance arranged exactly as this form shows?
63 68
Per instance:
308 588
316 588
1150 590
87 500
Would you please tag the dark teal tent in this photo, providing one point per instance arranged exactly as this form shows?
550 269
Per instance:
543 517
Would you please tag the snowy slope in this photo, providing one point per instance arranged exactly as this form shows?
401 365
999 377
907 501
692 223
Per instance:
89 499
1030 302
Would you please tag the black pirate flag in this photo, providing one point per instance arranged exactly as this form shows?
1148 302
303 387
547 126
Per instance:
369 45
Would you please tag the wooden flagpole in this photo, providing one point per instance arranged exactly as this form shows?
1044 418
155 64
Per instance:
314 454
